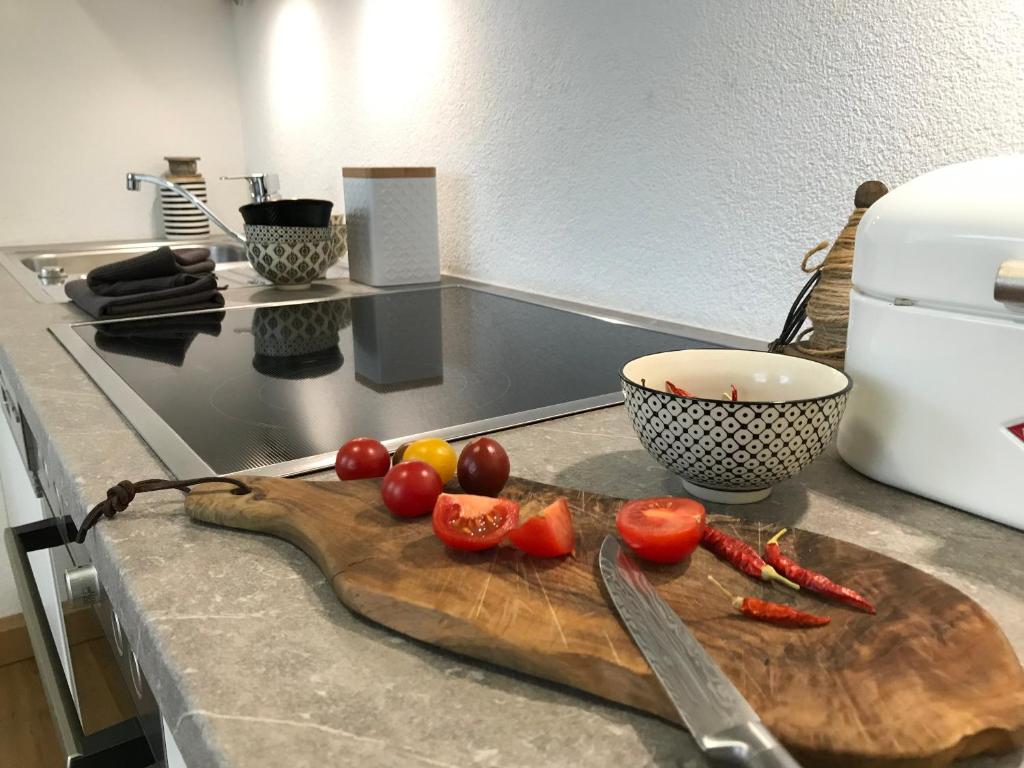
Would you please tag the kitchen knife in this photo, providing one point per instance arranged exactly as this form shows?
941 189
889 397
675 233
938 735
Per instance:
714 712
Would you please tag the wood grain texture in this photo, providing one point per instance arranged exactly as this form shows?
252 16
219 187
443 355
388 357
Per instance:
14 643
27 735
929 679
80 624
384 172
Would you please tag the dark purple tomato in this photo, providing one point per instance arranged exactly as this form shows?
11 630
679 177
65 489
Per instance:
483 467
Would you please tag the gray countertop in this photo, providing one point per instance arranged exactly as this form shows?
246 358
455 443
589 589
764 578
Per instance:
254 661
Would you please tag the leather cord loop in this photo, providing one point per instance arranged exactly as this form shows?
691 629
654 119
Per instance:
121 495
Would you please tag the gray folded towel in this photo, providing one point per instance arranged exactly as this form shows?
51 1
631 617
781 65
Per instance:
150 271
191 292
194 260
163 280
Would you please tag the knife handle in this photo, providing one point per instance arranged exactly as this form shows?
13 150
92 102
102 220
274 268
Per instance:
750 745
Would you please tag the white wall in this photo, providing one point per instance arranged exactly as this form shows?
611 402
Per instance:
666 158
90 89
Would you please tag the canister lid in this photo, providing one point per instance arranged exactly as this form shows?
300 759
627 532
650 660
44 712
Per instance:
941 238
424 172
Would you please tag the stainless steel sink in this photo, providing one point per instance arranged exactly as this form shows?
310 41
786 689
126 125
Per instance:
43 270
78 263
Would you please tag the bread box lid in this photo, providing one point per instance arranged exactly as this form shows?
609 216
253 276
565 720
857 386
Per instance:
941 239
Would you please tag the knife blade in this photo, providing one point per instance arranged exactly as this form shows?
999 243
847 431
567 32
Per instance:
713 711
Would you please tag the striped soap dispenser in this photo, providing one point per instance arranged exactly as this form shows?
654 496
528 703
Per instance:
182 220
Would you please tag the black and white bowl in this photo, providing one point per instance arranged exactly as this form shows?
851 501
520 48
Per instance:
289 257
728 451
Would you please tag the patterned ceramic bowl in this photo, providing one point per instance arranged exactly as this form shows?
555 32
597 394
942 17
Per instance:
733 452
289 257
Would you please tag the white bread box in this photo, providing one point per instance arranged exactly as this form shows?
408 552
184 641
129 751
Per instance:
936 339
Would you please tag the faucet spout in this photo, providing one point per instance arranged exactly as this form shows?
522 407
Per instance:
134 181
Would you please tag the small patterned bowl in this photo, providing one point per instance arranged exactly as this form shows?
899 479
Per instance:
289 257
787 413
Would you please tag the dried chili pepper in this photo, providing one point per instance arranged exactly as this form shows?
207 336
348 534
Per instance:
741 556
812 580
773 613
735 393
677 390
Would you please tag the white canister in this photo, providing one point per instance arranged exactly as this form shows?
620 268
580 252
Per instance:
391 215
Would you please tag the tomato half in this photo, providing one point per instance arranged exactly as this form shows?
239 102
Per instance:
464 521
546 534
662 530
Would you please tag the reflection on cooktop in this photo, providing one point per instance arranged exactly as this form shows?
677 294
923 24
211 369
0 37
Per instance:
162 340
397 341
280 383
299 341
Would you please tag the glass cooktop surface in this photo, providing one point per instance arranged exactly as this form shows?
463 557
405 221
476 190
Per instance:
260 388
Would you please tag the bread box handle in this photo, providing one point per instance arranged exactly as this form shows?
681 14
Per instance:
1010 283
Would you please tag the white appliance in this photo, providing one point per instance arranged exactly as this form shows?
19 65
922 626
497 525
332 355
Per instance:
936 339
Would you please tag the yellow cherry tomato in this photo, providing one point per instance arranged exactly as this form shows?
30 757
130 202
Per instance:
435 452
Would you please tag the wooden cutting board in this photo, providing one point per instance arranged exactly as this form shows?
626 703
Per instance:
928 679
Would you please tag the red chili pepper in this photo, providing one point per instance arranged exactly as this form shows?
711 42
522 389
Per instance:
676 390
741 556
773 613
812 580
735 393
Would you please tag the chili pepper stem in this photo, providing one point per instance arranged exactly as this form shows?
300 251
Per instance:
770 574
775 539
737 602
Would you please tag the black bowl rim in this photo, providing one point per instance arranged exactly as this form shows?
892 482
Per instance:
289 200
843 391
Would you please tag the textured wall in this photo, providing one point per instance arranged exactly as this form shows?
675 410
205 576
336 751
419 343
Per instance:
90 90
666 158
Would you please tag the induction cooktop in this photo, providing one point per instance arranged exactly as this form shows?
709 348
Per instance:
276 388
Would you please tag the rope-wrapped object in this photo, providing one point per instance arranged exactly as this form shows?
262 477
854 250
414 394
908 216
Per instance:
829 306
121 495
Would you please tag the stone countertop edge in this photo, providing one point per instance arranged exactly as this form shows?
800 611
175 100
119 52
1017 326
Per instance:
253 661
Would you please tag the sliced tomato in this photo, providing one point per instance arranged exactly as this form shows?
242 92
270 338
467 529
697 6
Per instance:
547 533
663 530
465 521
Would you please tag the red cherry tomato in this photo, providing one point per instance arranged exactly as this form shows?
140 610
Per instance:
662 530
362 457
464 521
483 467
548 534
411 488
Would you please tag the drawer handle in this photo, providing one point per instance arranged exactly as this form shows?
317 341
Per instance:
122 744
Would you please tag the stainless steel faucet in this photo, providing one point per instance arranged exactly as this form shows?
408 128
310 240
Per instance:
262 186
134 183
